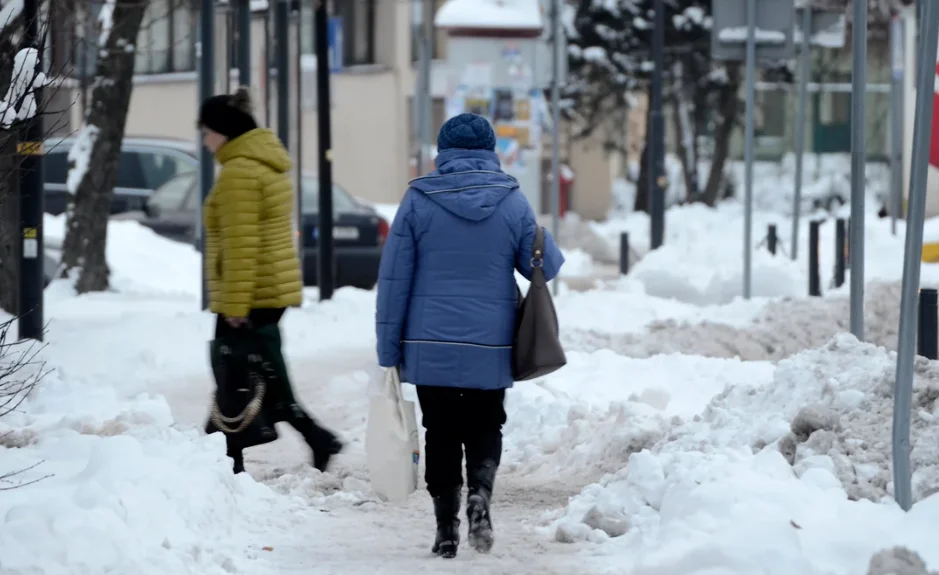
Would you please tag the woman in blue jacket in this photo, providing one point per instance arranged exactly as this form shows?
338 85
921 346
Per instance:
446 314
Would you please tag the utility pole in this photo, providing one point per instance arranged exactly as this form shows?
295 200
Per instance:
31 282
323 104
298 114
748 148
206 90
805 62
423 116
556 121
243 14
656 158
858 164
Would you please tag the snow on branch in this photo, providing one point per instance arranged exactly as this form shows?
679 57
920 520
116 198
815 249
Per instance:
19 103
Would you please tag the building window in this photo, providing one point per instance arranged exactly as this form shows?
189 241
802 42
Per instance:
165 43
358 29
439 39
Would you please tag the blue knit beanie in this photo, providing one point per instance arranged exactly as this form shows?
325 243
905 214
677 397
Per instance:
466 132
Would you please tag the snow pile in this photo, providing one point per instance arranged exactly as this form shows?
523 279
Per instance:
590 416
754 330
577 263
118 490
141 261
789 474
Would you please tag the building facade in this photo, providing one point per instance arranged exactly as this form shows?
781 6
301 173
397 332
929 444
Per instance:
373 135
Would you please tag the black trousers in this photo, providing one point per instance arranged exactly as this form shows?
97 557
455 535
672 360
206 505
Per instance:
296 416
456 419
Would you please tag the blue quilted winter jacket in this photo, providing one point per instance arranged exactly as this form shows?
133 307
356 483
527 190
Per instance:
446 287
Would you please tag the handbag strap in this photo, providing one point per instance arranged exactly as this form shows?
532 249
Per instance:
537 257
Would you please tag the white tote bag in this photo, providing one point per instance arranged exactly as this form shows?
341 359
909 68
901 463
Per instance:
392 447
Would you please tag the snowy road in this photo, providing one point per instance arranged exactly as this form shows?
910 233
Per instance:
346 536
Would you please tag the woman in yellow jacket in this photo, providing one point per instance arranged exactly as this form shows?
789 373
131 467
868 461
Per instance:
251 263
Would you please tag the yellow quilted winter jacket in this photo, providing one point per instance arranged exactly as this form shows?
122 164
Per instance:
251 261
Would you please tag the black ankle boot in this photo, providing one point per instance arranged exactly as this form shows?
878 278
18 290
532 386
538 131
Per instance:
447 512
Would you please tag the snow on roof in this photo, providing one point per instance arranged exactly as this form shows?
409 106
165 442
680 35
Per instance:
498 14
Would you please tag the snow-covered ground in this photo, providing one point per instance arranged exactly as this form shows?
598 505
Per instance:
692 432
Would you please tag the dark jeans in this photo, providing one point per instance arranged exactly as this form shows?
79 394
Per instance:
455 419
296 416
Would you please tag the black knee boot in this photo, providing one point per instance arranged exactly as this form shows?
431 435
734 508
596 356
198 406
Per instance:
237 456
447 512
323 442
481 479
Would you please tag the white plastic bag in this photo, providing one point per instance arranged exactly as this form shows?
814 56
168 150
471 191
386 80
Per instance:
392 447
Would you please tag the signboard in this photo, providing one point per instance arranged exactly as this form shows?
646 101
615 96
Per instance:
775 20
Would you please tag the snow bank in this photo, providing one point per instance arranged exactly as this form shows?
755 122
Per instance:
589 417
754 330
118 490
789 474
142 262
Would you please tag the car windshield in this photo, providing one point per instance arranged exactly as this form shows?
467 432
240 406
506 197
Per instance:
171 195
342 201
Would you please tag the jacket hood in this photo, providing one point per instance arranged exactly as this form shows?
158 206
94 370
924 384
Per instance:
467 183
261 145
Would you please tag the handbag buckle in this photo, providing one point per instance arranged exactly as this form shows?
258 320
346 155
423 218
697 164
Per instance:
536 260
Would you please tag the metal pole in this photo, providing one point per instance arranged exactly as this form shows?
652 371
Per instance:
748 147
298 154
805 63
323 121
244 42
916 208
897 46
206 90
425 109
31 284
840 251
656 156
858 161
556 121
266 66
282 65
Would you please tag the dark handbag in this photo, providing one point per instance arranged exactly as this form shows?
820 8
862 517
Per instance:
243 377
537 349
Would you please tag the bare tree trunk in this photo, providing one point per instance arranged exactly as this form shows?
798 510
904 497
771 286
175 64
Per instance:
10 240
684 136
103 131
728 110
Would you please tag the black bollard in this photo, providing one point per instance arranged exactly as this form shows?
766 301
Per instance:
815 280
927 341
847 246
772 239
841 251
624 253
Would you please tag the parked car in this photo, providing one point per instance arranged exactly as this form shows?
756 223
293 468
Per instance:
144 165
359 232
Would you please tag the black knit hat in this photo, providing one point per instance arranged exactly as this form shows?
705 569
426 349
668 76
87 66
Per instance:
229 115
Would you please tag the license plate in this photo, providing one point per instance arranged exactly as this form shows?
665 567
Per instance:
339 233
344 233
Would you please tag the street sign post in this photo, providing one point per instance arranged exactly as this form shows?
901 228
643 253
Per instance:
751 31
812 25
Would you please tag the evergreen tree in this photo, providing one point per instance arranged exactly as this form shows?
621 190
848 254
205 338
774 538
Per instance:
610 60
